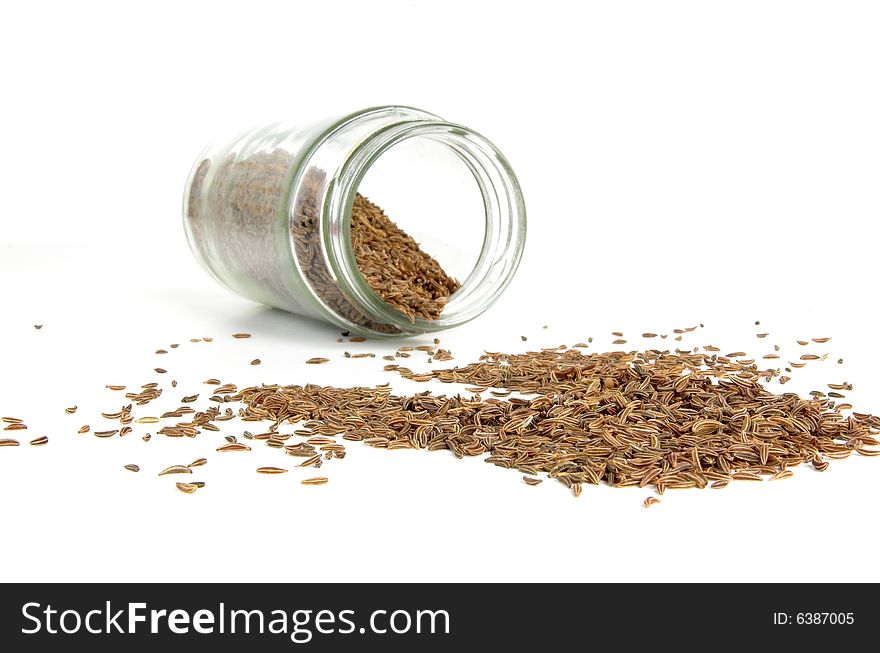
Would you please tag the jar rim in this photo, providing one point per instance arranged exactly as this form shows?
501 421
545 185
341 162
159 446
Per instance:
504 214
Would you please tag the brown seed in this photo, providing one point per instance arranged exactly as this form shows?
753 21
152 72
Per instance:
649 335
820 465
198 462
84 428
809 357
531 480
241 336
763 335
175 469
38 326
161 351
160 370
16 426
147 437
619 341
147 420
234 446
576 489
116 387
317 361
37 442
187 488
106 434
9 442
311 461
650 501
821 340
317 480
132 468
271 470
71 410
256 361
803 343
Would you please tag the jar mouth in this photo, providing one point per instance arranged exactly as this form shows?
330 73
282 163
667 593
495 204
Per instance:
504 214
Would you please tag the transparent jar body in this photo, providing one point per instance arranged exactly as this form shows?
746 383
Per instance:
268 215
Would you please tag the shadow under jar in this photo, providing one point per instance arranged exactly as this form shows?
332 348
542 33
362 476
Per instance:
268 214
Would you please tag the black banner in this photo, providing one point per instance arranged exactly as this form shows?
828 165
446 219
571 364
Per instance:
315 617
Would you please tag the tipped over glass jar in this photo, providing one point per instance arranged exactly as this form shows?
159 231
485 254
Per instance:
290 216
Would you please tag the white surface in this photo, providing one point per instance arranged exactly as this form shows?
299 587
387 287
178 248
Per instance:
682 163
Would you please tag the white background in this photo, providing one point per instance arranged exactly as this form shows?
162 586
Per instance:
682 162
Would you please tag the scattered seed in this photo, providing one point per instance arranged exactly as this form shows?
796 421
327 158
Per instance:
241 336
16 426
198 462
650 501
83 429
256 361
132 468
106 434
71 410
37 442
317 480
317 361
187 488
234 446
176 469
9 442
147 420
531 480
271 470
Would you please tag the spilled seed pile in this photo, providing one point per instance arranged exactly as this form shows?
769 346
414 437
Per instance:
234 220
655 418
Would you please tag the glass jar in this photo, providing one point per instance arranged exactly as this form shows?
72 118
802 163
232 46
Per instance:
268 214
